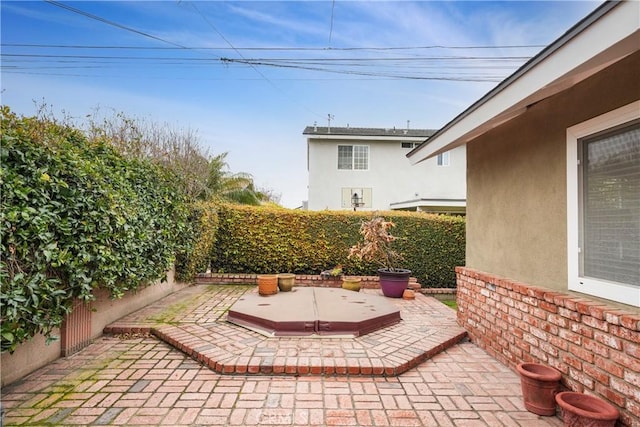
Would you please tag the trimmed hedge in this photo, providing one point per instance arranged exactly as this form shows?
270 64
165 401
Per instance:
203 218
76 215
272 240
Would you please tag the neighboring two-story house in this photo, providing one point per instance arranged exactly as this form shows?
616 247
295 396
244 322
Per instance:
367 169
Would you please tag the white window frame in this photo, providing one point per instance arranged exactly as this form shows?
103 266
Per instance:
353 156
626 294
443 159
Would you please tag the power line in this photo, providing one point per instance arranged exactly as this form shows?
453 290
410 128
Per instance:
112 23
398 59
272 48
374 67
240 54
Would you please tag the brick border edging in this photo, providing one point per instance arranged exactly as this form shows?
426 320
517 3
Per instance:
230 365
596 347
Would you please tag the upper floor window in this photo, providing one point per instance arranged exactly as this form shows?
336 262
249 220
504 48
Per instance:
353 157
443 159
603 214
410 144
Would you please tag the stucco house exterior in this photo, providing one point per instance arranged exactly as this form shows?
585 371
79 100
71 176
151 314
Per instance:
367 168
552 269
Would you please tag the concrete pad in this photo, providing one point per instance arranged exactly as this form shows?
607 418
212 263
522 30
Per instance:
314 311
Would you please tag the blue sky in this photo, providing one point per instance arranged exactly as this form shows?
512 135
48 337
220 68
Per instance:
249 76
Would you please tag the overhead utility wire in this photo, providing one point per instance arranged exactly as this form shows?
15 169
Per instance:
362 73
214 28
400 59
275 48
112 23
241 56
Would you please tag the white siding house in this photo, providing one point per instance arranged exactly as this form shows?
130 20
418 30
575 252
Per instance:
371 164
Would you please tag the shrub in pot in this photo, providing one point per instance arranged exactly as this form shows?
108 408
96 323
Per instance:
377 247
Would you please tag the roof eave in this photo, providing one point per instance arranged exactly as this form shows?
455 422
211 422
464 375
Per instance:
582 51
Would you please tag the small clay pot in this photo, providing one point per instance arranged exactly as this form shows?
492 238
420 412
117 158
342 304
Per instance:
579 409
409 294
539 384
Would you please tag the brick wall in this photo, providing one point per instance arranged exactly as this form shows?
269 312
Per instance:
596 347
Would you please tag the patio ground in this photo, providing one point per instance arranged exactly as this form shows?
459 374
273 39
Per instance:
136 379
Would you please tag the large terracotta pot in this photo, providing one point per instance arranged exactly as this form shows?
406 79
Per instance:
393 283
267 284
583 410
540 384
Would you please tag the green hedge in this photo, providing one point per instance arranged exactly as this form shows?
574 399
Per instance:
203 218
76 215
271 240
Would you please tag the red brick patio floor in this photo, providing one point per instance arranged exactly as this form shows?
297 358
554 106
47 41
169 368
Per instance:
140 380
193 321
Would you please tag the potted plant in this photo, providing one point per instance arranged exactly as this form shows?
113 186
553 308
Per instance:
376 247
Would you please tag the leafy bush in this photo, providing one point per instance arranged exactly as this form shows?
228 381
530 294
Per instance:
76 215
271 240
203 232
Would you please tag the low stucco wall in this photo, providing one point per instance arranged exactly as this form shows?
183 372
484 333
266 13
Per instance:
35 353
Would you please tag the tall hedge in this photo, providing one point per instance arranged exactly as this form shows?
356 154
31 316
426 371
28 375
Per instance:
271 240
76 215
203 218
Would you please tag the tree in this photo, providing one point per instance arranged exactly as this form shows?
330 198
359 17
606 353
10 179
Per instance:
177 149
233 187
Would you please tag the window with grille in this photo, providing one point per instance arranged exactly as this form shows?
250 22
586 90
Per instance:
603 205
610 205
353 157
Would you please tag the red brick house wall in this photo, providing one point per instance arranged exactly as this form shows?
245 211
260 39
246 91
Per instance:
596 347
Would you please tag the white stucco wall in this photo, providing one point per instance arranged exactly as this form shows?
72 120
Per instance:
390 176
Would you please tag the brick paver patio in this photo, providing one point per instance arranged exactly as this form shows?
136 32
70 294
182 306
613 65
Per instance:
140 380
193 321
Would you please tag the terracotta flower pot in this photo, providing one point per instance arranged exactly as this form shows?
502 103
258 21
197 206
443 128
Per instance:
267 284
286 281
539 384
409 294
583 410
